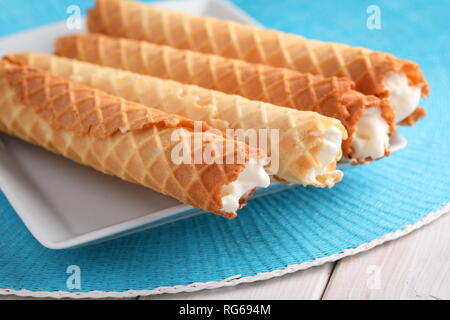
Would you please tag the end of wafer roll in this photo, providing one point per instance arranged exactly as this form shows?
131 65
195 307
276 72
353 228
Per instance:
381 64
370 124
417 115
398 80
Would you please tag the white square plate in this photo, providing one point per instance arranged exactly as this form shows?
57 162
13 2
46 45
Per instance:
66 205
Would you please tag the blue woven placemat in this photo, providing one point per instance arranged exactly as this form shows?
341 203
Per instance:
291 227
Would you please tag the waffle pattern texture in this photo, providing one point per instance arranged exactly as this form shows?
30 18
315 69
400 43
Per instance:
301 133
115 136
233 40
292 227
332 96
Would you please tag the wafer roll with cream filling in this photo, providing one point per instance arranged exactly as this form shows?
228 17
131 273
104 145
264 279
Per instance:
374 73
128 140
303 147
369 121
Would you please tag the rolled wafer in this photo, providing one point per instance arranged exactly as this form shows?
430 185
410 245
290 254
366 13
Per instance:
124 139
332 97
375 73
303 148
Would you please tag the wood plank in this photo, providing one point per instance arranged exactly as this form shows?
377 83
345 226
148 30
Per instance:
13 297
416 266
307 284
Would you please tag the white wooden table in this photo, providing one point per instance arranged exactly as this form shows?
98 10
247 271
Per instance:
416 266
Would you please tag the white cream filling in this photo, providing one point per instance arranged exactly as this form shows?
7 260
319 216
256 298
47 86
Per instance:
331 146
328 153
371 137
251 177
404 98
